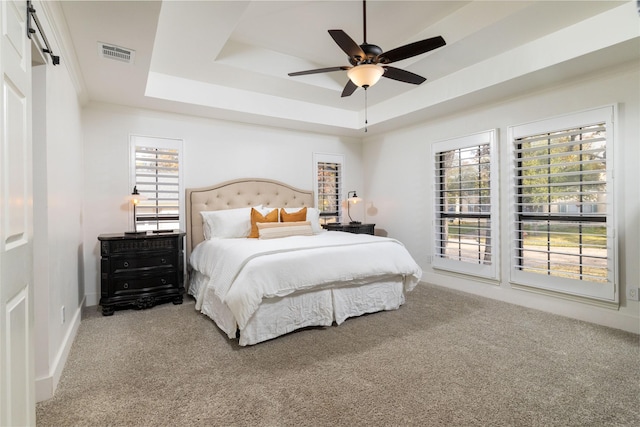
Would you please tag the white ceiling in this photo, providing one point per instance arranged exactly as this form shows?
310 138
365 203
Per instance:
230 59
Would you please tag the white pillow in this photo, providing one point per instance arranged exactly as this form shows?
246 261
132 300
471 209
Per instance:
313 216
227 223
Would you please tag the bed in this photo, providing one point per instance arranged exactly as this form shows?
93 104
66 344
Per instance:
293 274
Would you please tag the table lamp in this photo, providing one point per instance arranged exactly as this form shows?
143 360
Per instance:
135 198
352 199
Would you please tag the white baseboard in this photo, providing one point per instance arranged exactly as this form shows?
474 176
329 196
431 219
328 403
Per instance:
46 386
624 318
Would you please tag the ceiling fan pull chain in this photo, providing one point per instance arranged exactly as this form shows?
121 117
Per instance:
366 121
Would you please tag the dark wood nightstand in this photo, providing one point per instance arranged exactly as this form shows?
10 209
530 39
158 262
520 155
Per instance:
140 271
351 228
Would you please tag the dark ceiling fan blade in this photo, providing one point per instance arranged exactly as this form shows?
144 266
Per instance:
347 44
349 88
402 75
318 70
411 49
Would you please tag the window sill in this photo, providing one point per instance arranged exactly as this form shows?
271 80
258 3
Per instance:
611 305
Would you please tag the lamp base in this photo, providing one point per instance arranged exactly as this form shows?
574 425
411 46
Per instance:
135 233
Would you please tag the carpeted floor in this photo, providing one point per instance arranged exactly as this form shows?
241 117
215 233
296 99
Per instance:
443 359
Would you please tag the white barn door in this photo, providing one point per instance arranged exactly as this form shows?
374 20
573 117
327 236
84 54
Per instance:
17 396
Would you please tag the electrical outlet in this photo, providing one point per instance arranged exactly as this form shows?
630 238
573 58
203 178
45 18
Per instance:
632 293
62 315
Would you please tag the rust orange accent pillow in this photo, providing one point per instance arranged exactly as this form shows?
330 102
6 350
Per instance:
258 217
301 215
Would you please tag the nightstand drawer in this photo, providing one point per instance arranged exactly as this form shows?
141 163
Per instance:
129 285
137 245
125 264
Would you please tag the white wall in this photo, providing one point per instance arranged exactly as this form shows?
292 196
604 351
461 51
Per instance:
58 196
214 151
398 168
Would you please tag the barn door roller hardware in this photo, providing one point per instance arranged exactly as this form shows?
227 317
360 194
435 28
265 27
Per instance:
31 13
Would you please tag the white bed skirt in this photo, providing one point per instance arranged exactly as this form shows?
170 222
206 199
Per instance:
281 315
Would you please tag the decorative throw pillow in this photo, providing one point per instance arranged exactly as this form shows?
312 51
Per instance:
274 230
257 217
313 216
301 215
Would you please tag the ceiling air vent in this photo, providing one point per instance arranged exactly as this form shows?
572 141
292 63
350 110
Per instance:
117 53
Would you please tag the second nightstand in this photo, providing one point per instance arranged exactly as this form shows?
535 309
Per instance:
351 228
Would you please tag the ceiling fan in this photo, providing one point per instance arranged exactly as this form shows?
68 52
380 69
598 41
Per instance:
369 62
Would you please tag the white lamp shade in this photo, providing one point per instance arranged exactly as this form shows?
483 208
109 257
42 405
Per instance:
352 197
136 197
365 75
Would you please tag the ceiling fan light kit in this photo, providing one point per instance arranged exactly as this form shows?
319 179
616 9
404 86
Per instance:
365 75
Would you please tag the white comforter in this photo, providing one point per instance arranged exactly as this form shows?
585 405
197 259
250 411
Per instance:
244 271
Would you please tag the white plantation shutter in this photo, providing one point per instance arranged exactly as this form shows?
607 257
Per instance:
563 233
329 173
157 176
465 235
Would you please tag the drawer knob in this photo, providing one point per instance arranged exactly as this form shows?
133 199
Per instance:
126 286
126 263
164 261
163 281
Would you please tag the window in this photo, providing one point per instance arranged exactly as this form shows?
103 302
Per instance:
563 234
156 173
466 205
328 184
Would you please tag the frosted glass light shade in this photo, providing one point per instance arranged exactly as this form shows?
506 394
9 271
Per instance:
136 197
353 197
365 75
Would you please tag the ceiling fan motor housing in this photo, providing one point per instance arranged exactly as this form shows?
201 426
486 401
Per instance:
371 50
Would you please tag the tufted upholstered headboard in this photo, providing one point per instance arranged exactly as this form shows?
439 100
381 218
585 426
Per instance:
238 193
